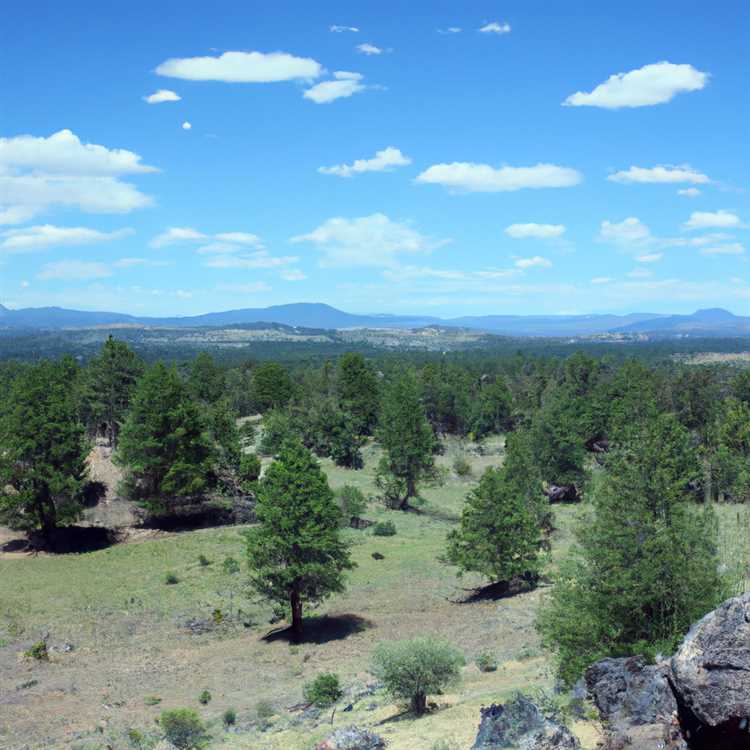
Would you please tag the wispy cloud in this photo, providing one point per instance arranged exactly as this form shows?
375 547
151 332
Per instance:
495 27
343 85
483 178
44 236
161 96
383 161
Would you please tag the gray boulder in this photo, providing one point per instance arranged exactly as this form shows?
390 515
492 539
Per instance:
711 670
521 724
352 738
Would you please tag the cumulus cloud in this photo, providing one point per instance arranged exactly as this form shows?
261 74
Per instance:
535 231
38 174
732 248
372 240
242 67
74 270
41 237
162 95
631 231
369 49
495 27
345 84
660 174
652 84
536 262
186 125
383 161
690 192
341 29
712 219
482 178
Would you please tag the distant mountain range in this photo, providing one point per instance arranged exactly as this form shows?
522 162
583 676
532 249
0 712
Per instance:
712 322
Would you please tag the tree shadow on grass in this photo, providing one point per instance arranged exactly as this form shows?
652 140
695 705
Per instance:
321 630
499 590
73 539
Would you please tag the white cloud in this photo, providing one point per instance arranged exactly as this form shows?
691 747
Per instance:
602 280
367 241
341 29
649 258
652 84
451 30
174 235
162 95
239 238
640 273
383 161
242 67
134 262
258 259
186 125
707 219
631 231
74 270
535 231
293 275
43 236
689 192
345 84
482 178
369 49
660 174
536 262
495 28
38 174
732 248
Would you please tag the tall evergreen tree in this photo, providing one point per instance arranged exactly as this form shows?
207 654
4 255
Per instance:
165 444
206 379
295 554
110 381
358 390
407 440
272 388
42 450
645 567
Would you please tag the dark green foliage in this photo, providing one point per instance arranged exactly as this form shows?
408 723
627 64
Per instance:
43 455
250 468
493 410
646 563
352 502
324 690
486 661
170 578
408 442
413 669
277 429
165 444
727 452
206 380
224 436
203 561
230 566
38 651
499 535
184 729
696 397
271 388
328 431
295 554
461 466
384 528
358 391
264 709
229 717
109 384
204 698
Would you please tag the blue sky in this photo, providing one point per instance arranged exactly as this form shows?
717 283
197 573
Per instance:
438 157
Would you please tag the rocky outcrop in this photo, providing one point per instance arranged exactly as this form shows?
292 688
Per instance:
521 724
352 738
698 699
711 670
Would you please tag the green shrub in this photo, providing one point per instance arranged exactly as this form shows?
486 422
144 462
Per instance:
170 578
152 700
352 502
384 528
203 561
204 698
38 652
413 669
229 717
136 738
250 468
184 729
486 661
324 690
461 466
264 709
247 432
230 566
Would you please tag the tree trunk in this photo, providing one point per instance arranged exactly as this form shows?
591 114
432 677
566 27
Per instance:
47 514
419 703
296 604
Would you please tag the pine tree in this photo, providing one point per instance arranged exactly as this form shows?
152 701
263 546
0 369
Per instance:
499 535
645 566
43 453
358 390
110 382
295 554
272 388
165 444
407 440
